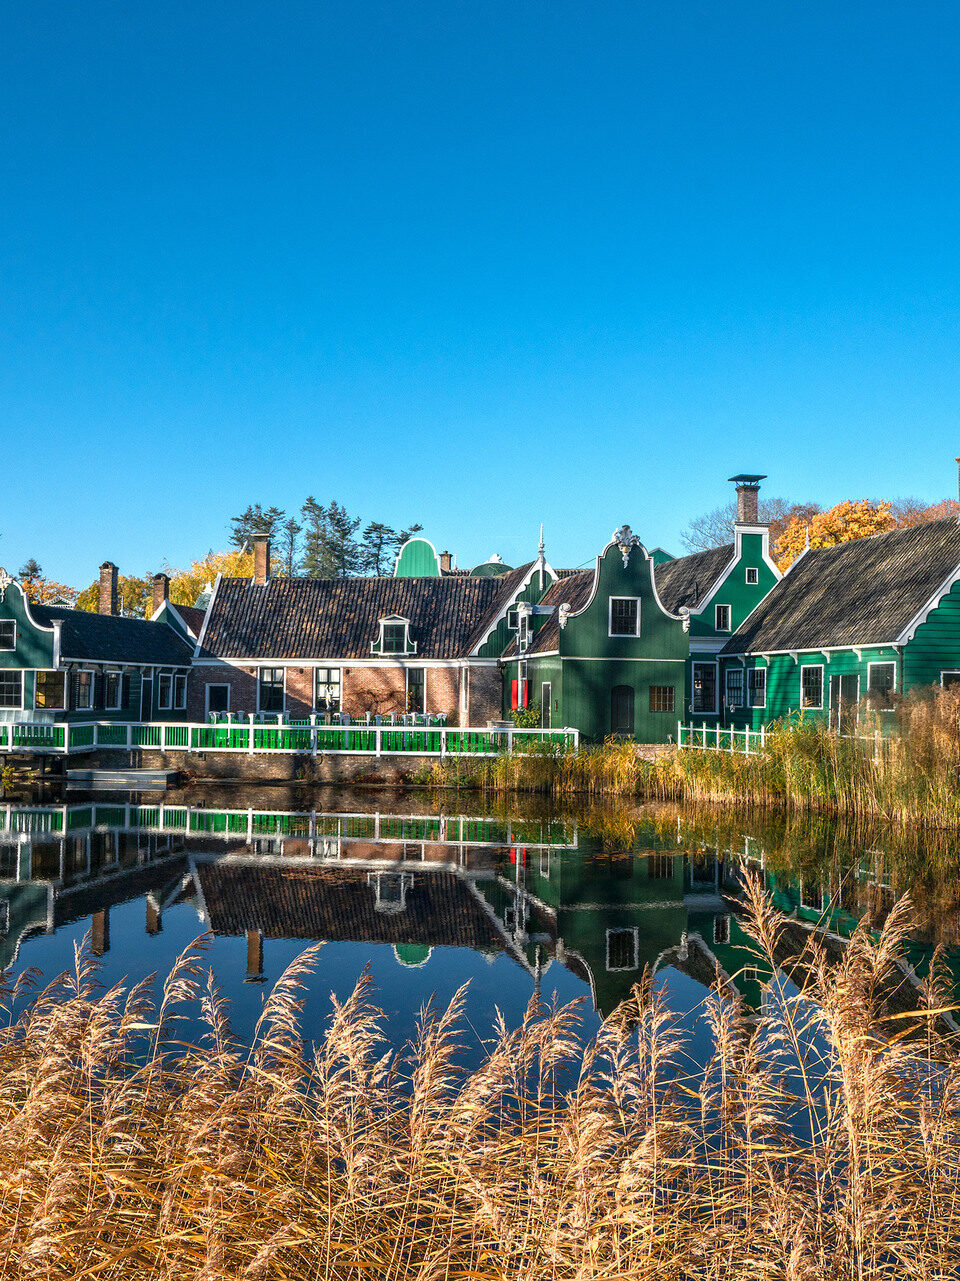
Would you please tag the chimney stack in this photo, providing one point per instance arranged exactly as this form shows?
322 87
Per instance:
446 565
161 590
747 489
108 588
261 558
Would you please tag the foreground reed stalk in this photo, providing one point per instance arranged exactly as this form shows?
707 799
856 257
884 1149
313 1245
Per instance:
812 1146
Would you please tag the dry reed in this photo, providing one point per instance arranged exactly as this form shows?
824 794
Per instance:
811 1147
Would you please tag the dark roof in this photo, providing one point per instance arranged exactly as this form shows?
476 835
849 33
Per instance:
338 904
686 580
192 616
508 585
338 617
106 638
859 593
574 590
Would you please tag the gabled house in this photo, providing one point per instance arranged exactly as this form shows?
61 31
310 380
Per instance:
60 664
870 619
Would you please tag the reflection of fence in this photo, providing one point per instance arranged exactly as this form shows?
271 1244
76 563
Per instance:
248 824
707 738
304 738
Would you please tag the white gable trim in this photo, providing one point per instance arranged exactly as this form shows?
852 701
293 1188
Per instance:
511 602
201 639
921 617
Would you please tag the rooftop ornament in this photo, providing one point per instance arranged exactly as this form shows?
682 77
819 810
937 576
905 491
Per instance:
5 581
626 540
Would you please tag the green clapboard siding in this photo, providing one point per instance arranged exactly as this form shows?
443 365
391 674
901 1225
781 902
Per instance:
743 598
501 637
417 559
34 644
936 645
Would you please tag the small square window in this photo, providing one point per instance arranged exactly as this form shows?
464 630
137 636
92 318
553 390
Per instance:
722 618
8 633
11 689
512 622
753 577
624 616
662 698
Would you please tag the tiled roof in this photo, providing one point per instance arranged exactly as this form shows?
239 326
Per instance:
192 616
338 617
106 638
508 586
337 903
574 590
859 593
686 580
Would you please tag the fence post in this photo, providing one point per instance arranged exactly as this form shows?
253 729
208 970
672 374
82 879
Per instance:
443 741
510 740
250 736
679 733
376 733
763 737
129 737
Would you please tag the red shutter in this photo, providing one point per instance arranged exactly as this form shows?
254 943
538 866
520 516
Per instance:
526 694
513 693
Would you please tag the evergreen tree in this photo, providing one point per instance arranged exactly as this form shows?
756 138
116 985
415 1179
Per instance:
343 550
289 546
255 520
378 548
315 539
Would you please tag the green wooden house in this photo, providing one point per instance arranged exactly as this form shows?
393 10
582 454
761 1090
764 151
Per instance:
846 627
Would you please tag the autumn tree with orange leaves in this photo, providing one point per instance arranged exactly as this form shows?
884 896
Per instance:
849 520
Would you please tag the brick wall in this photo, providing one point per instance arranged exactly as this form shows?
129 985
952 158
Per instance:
485 695
242 682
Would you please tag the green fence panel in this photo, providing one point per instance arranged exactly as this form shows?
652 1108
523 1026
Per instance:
146 735
111 735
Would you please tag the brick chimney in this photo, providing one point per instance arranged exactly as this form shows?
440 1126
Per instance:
446 559
747 489
261 558
108 588
161 590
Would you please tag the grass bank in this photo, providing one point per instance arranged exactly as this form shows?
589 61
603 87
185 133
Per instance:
910 773
351 1161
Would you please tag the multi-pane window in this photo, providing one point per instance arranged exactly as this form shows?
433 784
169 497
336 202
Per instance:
734 683
811 686
880 684
327 690
624 616
523 631
704 688
165 691
512 623
395 638
8 633
270 689
51 690
662 698
83 687
722 618
757 685
416 689
180 692
622 949
11 689
721 929
753 577
111 691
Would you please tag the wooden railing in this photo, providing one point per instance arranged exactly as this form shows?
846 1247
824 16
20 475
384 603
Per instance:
62 739
712 738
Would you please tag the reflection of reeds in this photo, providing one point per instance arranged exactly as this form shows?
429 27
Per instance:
348 1161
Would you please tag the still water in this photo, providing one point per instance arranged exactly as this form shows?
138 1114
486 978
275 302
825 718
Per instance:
428 892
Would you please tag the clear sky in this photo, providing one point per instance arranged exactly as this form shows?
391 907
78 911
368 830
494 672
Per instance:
472 263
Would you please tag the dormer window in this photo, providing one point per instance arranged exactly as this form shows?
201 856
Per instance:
394 637
512 620
523 632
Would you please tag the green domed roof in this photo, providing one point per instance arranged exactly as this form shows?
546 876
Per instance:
412 954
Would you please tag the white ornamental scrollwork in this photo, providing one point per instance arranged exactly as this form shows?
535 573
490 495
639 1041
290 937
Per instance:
5 581
563 613
626 540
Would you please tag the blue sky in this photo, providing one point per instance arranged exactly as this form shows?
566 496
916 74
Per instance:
476 264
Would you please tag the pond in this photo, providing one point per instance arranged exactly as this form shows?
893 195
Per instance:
431 891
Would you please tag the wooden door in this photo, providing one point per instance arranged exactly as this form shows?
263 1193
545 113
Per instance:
621 710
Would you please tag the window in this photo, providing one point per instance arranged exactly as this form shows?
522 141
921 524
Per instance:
180 692
811 686
51 690
949 678
218 698
83 686
394 638
757 685
660 867
8 633
270 690
164 691
753 577
624 616
721 615
523 631
623 950
11 689
734 687
416 689
111 691
512 620
881 682
704 688
327 686
721 929
662 698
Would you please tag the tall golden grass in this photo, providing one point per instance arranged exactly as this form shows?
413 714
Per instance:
124 1154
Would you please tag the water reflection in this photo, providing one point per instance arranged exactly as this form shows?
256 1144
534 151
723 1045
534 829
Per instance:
574 904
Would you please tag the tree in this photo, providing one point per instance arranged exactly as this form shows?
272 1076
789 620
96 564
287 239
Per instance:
41 590
315 539
715 529
913 511
134 596
342 547
255 520
289 546
187 584
847 521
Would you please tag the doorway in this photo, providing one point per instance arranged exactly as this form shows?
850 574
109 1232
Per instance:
546 704
621 710
844 696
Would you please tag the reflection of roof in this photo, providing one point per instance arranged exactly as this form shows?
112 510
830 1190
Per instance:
686 580
338 904
72 904
106 638
339 617
572 589
859 593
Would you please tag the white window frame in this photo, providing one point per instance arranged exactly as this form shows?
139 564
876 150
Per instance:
88 671
716 618
419 711
523 632
379 646
265 667
546 705
623 929
806 667
113 707
9 649
948 671
622 635
158 681
728 672
179 691
513 620
51 671
885 662
749 691
755 580
327 684
216 685
697 662
16 671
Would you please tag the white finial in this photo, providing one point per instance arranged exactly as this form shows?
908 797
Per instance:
540 560
540 549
